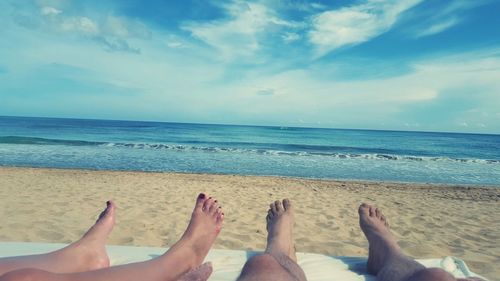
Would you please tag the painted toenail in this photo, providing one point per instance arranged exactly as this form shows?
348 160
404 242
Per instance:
201 196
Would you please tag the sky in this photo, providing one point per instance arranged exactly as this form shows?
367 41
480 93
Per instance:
372 64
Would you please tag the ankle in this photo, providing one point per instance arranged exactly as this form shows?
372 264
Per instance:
184 250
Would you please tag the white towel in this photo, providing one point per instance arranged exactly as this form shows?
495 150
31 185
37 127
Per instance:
227 264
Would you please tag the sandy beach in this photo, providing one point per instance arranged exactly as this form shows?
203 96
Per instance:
53 205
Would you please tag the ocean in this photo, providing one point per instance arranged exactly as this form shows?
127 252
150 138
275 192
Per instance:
424 157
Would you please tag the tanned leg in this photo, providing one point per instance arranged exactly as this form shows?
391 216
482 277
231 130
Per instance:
385 258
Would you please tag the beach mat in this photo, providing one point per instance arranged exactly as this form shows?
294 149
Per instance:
227 264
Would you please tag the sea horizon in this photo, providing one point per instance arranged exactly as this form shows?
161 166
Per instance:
313 153
254 125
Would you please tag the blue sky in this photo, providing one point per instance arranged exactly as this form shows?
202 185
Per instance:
377 64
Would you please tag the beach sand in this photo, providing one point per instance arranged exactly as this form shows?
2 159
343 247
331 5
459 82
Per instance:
54 205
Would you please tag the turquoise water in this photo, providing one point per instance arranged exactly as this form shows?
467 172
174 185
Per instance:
251 150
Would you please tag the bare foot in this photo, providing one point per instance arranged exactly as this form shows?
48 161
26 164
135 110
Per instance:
280 229
205 225
382 243
201 273
89 253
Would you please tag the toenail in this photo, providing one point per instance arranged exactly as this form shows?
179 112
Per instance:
201 196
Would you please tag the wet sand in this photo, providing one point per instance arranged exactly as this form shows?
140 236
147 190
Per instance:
56 205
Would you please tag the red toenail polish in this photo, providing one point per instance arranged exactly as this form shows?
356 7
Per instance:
107 203
209 197
201 196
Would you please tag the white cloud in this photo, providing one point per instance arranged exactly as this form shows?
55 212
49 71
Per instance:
289 37
444 18
187 85
302 6
177 86
456 6
265 92
117 44
82 25
239 34
390 100
355 24
125 28
49 11
175 44
113 33
318 6
117 26
438 27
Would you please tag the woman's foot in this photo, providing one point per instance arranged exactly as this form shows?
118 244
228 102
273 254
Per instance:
203 229
89 253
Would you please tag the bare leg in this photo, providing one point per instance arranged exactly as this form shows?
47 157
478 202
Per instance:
385 258
279 262
88 253
185 255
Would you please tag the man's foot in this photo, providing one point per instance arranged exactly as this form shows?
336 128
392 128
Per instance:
205 225
280 229
279 261
89 253
382 244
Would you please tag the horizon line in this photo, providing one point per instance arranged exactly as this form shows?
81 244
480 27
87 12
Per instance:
253 125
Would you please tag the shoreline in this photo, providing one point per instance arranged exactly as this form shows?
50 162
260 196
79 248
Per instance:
360 181
429 220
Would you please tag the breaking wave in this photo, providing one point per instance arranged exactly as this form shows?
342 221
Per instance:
340 152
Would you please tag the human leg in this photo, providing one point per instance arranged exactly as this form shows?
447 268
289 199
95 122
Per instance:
88 253
279 262
386 259
200 273
185 255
